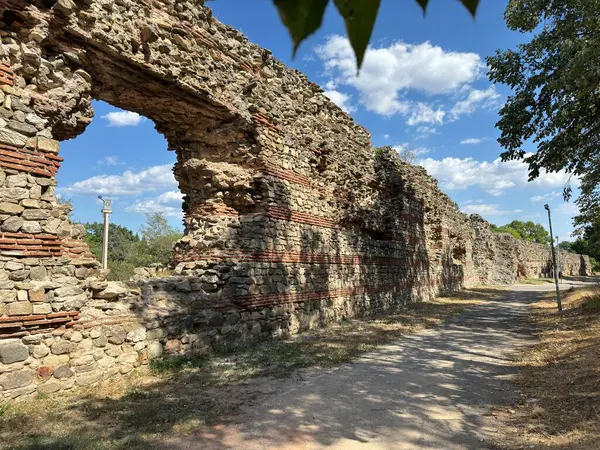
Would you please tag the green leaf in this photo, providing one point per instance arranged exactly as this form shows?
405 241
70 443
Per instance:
423 4
359 16
301 17
471 5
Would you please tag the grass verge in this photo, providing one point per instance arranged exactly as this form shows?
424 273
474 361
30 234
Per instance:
181 395
537 281
559 378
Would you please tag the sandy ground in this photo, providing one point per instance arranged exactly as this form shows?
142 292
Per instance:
430 390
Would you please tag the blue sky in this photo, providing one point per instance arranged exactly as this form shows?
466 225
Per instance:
422 87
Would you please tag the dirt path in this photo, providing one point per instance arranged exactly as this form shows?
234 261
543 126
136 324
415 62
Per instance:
430 390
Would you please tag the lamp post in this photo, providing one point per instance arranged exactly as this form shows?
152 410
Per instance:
106 212
558 302
558 259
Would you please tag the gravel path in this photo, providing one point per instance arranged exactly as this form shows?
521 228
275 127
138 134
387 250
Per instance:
429 390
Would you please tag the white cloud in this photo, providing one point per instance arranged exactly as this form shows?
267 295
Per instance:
110 161
472 141
387 72
425 130
128 183
423 113
341 99
493 177
567 209
386 136
488 98
488 210
123 119
545 197
168 203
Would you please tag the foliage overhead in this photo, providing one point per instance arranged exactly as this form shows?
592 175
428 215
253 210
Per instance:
556 100
526 231
303 17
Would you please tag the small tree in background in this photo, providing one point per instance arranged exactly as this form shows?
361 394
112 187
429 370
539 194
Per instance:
127 250
157 241
526 231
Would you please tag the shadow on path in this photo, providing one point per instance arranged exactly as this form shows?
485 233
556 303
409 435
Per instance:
429 390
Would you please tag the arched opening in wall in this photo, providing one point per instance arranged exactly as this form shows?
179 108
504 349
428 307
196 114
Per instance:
122 157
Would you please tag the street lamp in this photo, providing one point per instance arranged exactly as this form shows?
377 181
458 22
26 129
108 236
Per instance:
558 259
558 302
106 212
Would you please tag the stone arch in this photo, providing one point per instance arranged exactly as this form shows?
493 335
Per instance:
64 68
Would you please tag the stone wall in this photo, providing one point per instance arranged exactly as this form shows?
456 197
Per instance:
292 219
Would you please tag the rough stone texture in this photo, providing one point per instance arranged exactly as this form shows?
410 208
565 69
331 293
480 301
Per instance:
12 351
292 220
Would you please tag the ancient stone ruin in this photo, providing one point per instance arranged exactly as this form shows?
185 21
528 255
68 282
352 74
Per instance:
292 220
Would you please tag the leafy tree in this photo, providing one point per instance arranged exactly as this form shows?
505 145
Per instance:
526 231
157 240
556 100
506 229
126 250
303 17
120 239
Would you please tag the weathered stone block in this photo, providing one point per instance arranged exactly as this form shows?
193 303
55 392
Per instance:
35 214
12 351
137 335
62 372
100 341
61 347
173 346
10 208
55 360
76 336
12 138
32 227
88 378
155 350
17 379
19 309
129 357
7 295
37 295
68 291
50 387
42 308
45 372
47 145
40 350
30 203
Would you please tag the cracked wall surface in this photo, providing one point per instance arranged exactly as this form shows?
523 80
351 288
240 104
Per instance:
292 219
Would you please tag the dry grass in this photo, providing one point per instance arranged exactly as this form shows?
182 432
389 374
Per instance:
178 396
536 281
560 378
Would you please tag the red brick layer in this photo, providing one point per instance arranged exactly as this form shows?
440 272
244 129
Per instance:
26 245
17 326
76 249
6 75
25 160
288 175
262 300
296 257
